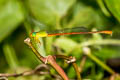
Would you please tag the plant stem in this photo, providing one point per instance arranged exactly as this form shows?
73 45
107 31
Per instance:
88 53
100 42
10 56
49 59
101 63
77 71
29 43
52 61
103 8
73 63
82 63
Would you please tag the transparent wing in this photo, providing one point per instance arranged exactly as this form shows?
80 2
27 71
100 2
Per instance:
69 30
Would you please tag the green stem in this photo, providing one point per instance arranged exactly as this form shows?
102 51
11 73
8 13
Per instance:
77 71
101 63
94 58
10 56
101 42
73 63
102 6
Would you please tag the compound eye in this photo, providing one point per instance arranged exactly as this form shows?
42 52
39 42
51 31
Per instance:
34 34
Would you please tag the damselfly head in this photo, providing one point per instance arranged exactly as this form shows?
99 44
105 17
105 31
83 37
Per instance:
33 34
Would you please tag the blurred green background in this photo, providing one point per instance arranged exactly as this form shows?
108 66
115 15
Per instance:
19 17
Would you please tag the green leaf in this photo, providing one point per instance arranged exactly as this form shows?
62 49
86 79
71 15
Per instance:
106 53
48 11
114 7
71 72
10 16
88 64
82 16
2 2
65 44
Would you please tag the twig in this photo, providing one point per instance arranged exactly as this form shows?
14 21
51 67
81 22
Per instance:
49 59
82 63
115 77
52 61
26 73
29 43
87 52
71 60
38 70
77 71
3 78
